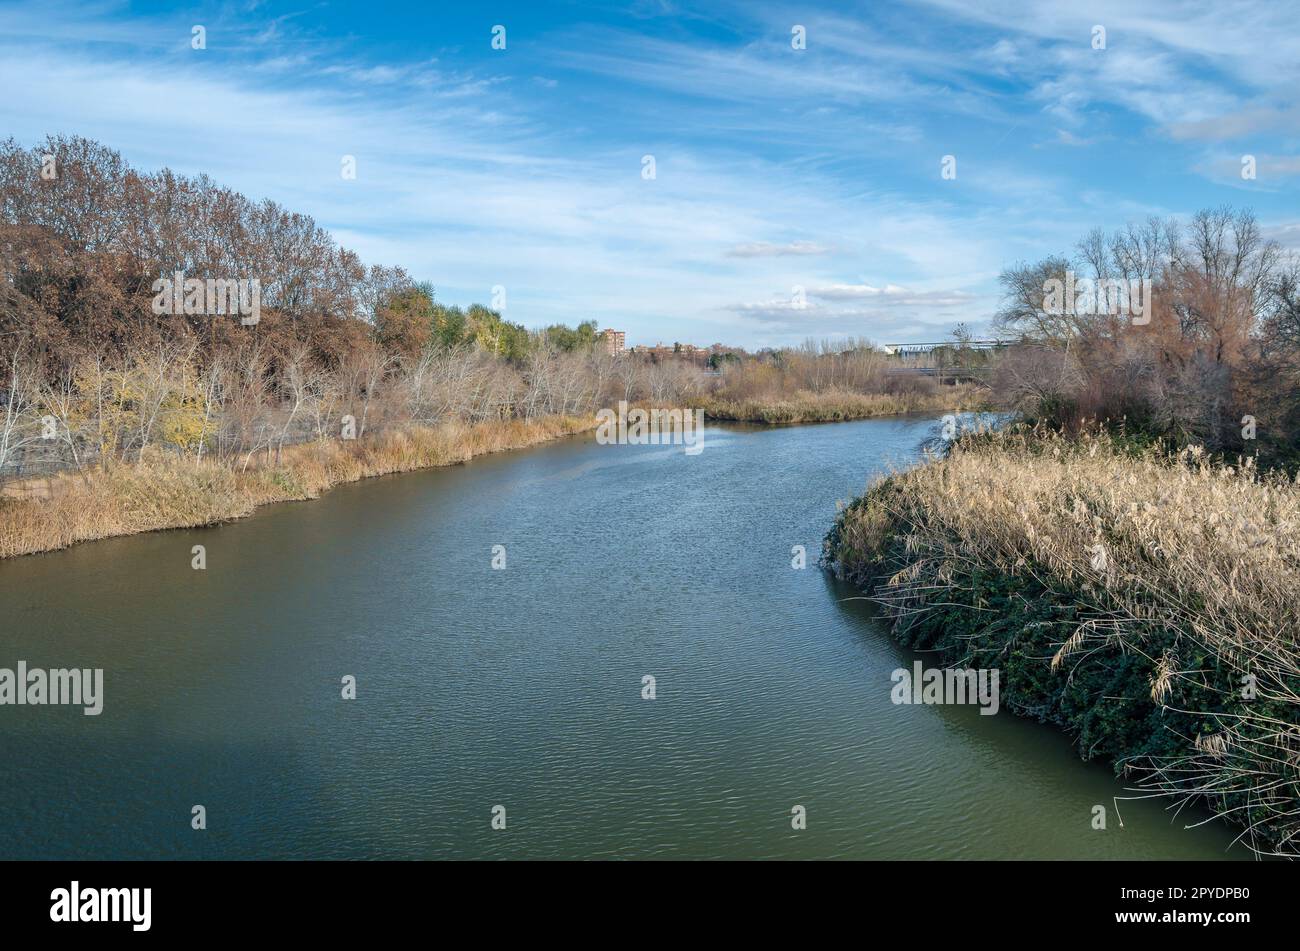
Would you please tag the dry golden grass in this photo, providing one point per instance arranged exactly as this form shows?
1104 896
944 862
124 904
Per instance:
1173 556
1173 531
842 405
164 492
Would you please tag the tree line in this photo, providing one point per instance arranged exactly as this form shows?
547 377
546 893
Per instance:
1211 357
89 370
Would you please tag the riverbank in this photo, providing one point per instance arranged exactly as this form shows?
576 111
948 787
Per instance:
1143 602
834 406
163 492
220 680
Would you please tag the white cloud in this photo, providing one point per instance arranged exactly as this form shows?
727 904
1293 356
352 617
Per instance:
467 179
765 249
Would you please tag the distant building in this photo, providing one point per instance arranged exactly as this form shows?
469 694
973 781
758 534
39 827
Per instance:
614 340
676 351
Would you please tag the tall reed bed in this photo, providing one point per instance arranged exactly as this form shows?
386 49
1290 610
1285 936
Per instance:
163 491
1147 601
840 405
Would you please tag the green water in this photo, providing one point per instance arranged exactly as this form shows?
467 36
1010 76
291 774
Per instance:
522 687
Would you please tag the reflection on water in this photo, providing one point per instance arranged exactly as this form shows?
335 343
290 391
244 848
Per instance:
523 687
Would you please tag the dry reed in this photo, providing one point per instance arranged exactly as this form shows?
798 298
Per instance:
841 405
164 491
1165 556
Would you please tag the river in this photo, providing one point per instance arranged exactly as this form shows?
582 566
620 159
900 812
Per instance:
522 688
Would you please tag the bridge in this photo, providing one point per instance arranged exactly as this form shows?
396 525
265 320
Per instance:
947 360
902 349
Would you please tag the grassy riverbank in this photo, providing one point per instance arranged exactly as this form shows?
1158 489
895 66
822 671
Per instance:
831 406
167 491
164 492
1144 602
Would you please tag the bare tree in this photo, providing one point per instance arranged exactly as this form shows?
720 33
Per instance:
19 425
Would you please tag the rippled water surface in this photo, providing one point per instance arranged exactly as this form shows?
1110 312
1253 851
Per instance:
522 687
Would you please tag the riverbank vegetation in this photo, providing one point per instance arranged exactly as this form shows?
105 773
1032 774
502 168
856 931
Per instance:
1213 361
122 411
1143 599
157 493
1128 553
829 381
119 416
834 406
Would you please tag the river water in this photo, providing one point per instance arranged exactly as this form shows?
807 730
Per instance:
522 688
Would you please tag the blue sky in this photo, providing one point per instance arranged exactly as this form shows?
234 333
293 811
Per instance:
775 168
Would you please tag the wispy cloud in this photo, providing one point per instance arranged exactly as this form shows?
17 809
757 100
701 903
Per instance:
775 167
765 249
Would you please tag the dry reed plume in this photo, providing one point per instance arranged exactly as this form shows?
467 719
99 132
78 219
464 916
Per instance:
166 492
840 405
1184 573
